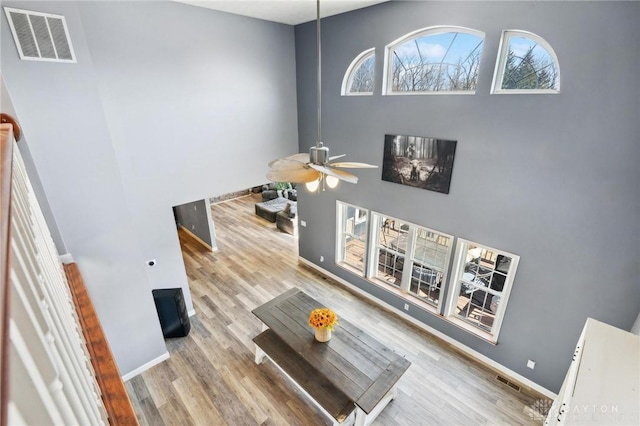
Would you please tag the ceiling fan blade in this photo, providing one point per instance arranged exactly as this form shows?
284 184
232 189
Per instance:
340 174
353 165
286 170
335 157
346 176
303 157
286 164
300 175
299 158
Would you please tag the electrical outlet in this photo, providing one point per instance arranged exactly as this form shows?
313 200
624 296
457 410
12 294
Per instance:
406 306
303 223
321 258
193 227
531 364
195 208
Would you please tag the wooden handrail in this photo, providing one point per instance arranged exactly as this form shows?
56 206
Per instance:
17 130
6 156
114 394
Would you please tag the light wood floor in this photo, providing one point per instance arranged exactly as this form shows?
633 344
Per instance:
211 378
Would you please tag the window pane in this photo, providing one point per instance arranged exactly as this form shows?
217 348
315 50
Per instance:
392 244
363 76
528 66
430 256
437 62
426 283
477 307
485 268
432 248
353 235
480 293
354 253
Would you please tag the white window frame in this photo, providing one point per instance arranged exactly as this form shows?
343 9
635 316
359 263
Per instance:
347 81
73 60
375 223
503 50
387 81
340 232
445 270
372 264
455 282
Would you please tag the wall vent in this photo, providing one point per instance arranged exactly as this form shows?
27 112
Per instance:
509 383
40 36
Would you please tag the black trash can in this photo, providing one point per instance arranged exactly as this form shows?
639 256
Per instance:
172 312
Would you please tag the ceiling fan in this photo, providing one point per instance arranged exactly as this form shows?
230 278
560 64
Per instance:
315 167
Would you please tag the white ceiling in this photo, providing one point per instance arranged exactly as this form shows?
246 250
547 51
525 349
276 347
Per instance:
290 12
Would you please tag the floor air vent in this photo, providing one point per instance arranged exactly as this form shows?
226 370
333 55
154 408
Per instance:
40 36
509 383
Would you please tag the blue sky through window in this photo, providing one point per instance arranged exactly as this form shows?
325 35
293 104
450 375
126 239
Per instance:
435 48
521 45
437 61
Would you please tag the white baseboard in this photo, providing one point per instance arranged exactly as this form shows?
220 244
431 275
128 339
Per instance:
130 375
191 312
463 348
66 258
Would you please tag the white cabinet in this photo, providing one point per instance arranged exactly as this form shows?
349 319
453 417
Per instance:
602 386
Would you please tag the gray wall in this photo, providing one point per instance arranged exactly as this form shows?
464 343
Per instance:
6 106
196 217
552 178
196 100
168 103
61 112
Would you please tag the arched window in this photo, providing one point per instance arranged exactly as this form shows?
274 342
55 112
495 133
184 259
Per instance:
434 60
526 64
359 78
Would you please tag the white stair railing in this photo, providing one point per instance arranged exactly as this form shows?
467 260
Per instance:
50 376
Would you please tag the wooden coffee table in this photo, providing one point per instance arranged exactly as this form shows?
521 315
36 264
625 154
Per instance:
352 372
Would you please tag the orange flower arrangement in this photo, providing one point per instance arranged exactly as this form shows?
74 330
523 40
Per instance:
323 318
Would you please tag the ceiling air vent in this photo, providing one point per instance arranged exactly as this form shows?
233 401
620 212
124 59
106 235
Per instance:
40 36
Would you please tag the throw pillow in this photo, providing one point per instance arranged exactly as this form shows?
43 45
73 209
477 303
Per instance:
293 210
283 185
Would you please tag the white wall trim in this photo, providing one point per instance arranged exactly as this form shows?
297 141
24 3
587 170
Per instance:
66 258
635 328
212 227
191 312
195 237
467 350
130 375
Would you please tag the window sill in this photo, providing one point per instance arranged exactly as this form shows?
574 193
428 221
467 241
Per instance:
525 92
358 94
436 93
487 337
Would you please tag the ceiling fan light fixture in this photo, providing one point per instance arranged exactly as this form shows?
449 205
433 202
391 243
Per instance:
332 181
313 185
